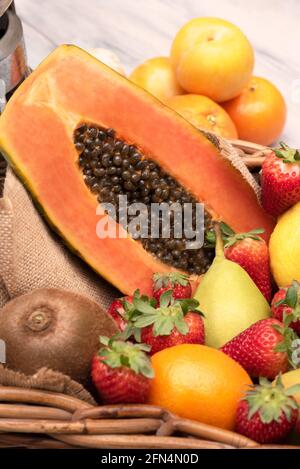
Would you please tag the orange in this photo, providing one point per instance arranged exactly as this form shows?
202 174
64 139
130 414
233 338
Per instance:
259 113
156 76
203 113
198 382
212 57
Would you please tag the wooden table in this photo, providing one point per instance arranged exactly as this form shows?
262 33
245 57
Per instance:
140 29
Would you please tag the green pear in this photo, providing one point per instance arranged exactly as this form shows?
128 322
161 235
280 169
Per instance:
229 299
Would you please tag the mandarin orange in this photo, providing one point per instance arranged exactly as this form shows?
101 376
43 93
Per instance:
212 57
198 382
259 112
203 113
157 77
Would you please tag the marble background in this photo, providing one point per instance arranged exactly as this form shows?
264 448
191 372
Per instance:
140 29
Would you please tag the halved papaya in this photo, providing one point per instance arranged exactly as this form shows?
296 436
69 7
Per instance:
78 133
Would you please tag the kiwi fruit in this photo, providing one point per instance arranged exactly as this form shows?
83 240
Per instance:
53 328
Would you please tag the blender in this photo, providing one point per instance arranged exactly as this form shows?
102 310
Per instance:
13 63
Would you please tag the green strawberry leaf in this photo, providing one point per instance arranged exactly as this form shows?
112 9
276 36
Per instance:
157 280
278 381
177 278
291 297
278 328
188 304
210 238
266 383
130 309
281 347
147 371
256 231
270 400
118 353
181 326
267 414
163 325
280 302
164 319
286 345
104 340
130 332
287 319
143 347
140 363
137 333
230 237
226 229
145 320
143 306
169 280
291 391
165 298
287 154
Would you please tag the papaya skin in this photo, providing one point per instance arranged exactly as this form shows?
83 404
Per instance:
37 127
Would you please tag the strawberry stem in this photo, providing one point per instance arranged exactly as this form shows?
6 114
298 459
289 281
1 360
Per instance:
230 237
287 154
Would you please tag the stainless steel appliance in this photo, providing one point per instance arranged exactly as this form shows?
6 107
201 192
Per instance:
13 63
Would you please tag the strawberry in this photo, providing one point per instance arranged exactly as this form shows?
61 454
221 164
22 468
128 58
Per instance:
298 427
280 180
268 412
117 312
121 372
251 252
176 281
264 349
287 302
174 322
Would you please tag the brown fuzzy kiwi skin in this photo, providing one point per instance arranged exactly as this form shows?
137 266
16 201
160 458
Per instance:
53 328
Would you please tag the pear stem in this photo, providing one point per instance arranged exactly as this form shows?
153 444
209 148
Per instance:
219 241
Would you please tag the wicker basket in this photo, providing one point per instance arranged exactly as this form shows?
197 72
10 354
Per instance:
41 419
252 154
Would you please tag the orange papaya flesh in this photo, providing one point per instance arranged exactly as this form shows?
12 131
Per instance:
37 132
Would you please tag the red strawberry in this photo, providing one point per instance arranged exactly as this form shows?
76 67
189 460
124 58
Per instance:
195 334
264 349
287 302
117 311
176 281
251 252
298 427
174 322
268 412
280 180
121 372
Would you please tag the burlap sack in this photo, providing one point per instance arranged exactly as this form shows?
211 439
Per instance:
32 257
45 379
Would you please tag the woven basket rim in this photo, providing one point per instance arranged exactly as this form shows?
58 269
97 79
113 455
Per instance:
34 418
